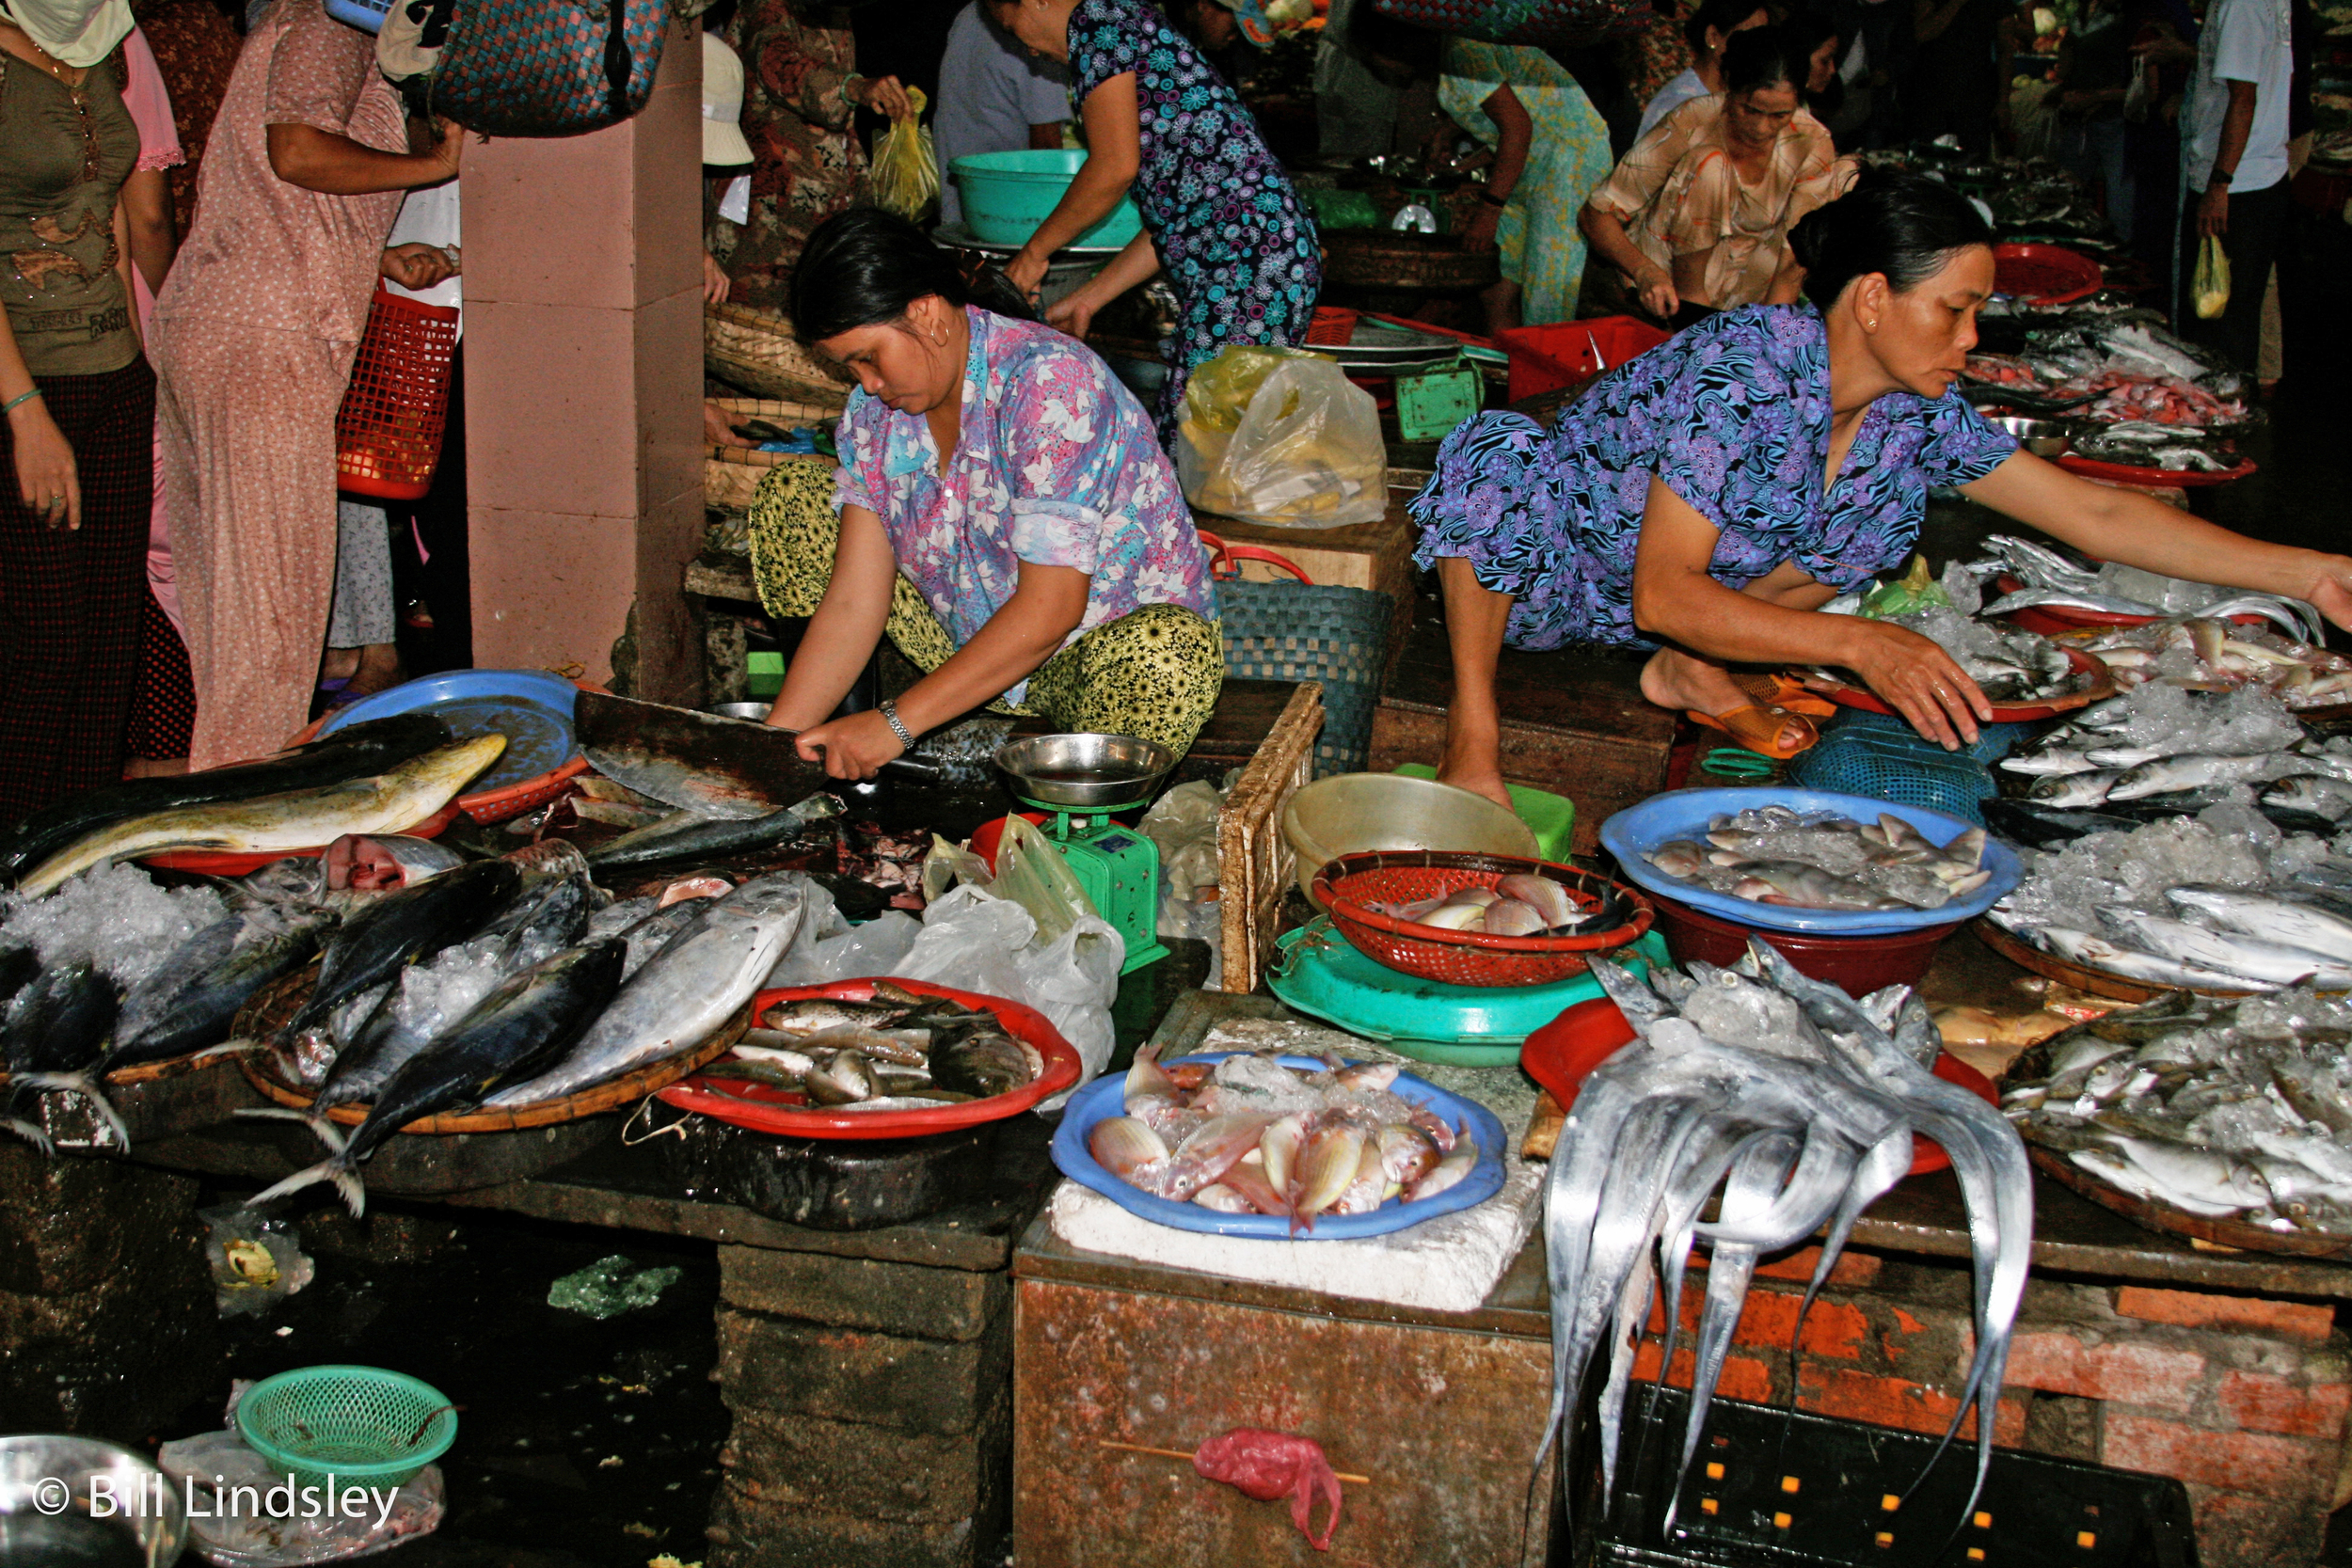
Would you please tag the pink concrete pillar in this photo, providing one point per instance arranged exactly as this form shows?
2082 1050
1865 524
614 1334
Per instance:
583 378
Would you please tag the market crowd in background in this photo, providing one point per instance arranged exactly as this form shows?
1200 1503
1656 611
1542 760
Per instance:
195 188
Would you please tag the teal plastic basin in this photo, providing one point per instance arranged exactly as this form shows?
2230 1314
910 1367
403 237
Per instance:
1007 195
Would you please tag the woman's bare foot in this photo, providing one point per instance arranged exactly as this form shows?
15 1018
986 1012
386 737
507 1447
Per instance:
1476 766
154 768
378 669
339 664
1673 679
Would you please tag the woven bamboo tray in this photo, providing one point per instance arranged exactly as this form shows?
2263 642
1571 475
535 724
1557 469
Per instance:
731 475
1255 863
756 350
2098 982
2156 1214
267 1012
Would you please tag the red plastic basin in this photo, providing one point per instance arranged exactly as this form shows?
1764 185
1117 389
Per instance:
1857 965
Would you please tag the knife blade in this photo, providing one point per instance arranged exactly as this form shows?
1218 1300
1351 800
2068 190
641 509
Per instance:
699 762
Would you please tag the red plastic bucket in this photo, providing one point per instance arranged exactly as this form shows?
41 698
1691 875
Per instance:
1857 965
1566 353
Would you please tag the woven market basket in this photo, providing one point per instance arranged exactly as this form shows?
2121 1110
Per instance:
1289 631
756 350
731 475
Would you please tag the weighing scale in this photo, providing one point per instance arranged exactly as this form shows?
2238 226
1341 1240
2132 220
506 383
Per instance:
1081 780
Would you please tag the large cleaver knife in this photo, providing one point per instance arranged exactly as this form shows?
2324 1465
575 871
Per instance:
699 762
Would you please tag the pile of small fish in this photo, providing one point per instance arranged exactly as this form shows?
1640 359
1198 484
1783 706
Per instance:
2221 901
2210 653
2238 1110
2177 748
1521 904
1799 1105
2008 663
2118 371
2147 444
903 1051
1822 860
2051 578
1252 1135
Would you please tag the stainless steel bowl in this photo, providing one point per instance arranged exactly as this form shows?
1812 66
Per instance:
2041 437
46 1513
756 712
1097 770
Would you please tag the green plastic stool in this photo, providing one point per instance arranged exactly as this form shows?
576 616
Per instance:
1552 818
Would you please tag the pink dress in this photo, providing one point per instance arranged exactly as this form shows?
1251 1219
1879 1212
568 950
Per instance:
144 95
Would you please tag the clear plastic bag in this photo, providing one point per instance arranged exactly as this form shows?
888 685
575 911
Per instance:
1304 453
244 1515
976 940
905 171
257 1260
2211 286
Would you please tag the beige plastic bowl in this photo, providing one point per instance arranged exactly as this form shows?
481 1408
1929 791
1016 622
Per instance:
1349 811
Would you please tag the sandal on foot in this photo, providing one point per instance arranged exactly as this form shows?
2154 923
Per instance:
1760 729
1770 689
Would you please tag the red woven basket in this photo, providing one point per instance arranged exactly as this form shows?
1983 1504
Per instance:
387 436
1346 885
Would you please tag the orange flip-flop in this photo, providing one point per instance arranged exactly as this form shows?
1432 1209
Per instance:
1760 729
1770 689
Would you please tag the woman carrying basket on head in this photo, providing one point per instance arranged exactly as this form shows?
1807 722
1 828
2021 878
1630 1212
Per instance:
1219 212
1000 510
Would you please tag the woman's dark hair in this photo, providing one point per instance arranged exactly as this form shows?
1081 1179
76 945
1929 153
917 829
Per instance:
1763 57
864 267
1901 225
1721 15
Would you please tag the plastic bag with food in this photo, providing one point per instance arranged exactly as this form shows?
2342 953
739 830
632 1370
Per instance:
1280 436
905 172
2210 287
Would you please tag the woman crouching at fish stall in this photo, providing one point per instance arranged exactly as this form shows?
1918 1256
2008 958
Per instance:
1001 511
1706 498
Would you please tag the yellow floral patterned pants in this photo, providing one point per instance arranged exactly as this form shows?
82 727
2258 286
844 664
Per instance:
1152 673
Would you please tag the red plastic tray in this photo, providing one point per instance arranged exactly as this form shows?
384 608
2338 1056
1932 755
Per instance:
2128 474
2003 712
1562 1053
208 862
768 1110
2045 274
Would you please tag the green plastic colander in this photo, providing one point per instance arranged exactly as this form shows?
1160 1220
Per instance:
363 1425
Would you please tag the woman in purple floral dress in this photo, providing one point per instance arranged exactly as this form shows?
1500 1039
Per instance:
1706 498
1000 510
1219 212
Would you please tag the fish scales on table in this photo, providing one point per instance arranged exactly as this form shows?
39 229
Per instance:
1805 1120
2236 1110
1824 860
1259 1135
399 797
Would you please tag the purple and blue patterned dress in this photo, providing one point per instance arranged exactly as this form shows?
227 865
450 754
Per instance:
1734 415
1237 246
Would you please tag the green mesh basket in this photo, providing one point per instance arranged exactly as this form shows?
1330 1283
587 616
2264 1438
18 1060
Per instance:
361 1425
1292 631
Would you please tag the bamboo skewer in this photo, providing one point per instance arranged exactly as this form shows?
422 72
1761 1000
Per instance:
1179 1453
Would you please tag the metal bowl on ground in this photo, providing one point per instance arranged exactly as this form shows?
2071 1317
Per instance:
2041 437
47 1484
756 712
1079 771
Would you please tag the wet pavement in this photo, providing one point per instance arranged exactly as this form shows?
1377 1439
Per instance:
581 1444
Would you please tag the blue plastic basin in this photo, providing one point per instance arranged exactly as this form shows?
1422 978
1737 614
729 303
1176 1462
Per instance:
1685 814
1007 195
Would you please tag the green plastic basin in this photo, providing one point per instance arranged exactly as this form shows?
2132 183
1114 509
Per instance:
1552 818
1007 195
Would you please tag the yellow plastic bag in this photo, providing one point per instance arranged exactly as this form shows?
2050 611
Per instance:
906 171
2210 287
1281 437
1219 391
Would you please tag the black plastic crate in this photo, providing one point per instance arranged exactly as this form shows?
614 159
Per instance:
1772 1488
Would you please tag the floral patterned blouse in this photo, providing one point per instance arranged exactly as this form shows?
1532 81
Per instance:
1055 464
1733 414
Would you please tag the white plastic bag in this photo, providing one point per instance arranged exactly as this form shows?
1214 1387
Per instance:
1307 452
233 1494
1074 980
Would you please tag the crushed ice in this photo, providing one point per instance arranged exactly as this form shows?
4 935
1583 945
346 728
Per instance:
115 916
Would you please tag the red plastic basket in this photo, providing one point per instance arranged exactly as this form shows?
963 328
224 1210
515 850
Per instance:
1334 326
387 436
1566 353
2045 274
1346 885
